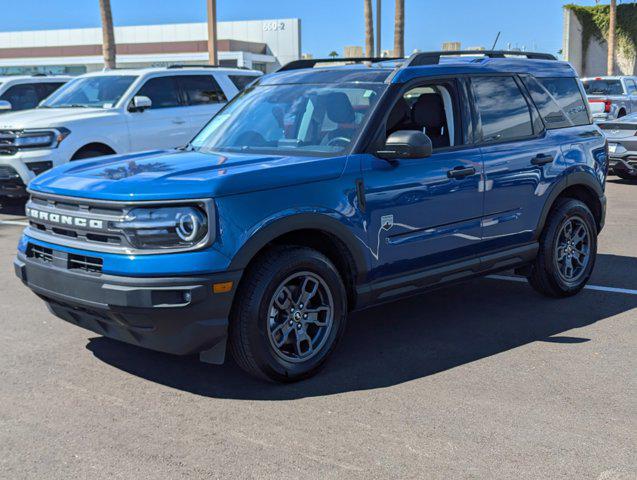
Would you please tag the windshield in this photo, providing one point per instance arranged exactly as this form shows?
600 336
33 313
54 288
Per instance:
291 119
603 87
99 92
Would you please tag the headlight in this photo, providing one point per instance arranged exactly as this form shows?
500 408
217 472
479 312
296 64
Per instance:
41 138
164 227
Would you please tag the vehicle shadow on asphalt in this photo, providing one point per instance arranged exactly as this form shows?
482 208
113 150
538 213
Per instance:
401 341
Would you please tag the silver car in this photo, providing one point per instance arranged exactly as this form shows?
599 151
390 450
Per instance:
622 145
611 97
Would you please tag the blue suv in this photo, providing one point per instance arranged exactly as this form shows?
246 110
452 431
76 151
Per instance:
322 190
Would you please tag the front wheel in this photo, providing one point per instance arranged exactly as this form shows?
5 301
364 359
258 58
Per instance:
289 314
568 249
627 175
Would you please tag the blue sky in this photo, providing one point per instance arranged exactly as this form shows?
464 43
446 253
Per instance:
326 24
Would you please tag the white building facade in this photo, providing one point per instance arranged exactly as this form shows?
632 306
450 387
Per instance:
260 44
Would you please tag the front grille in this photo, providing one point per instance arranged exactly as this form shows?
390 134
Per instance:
66 211
87 264
7 142
88 224
8 173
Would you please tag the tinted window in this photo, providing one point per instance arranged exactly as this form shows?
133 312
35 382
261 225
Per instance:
632 87
294 119
550 111
241 81
22 97
162 91
566 92
603 87
95 91
201 89
46 89
503 110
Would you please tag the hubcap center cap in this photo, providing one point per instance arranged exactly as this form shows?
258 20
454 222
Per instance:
297 316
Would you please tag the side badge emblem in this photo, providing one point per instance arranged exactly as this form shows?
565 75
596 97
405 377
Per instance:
387 221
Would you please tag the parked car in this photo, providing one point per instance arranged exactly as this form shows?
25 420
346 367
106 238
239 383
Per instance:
105 113
26 92
622 146
319 191
611 97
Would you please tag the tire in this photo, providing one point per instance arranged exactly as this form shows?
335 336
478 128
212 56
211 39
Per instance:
84 154
549 274
271 331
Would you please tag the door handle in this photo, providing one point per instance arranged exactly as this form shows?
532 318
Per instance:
179 121
461 172
542 159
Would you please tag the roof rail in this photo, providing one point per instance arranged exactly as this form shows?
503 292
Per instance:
433 58
311 62
203 65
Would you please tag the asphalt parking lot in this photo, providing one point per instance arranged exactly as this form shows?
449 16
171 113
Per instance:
483 380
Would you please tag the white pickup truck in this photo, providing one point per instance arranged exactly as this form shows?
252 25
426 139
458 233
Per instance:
111 112
611 97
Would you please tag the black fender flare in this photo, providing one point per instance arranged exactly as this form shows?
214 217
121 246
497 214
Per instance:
584 179
302 221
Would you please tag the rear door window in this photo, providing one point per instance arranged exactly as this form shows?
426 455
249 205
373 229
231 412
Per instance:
201 89
241 81
566 93
503 110
632 86
46 89
162 91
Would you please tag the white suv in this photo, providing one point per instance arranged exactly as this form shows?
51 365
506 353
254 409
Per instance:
113 112
25 92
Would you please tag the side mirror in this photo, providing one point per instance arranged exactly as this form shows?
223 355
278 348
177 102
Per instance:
5 106
141 103
406 144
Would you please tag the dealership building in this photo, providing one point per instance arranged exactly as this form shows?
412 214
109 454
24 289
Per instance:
259 44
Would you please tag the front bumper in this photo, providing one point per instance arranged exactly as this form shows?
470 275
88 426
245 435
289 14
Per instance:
178 315
11 185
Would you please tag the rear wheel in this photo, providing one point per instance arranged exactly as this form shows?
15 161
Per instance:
568 249
289 314
84 154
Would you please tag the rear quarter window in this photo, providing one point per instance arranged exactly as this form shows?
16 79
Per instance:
242 81
603 87
566 93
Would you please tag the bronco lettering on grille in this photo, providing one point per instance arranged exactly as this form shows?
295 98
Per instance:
62 219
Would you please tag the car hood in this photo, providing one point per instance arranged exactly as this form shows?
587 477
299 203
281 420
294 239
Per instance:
50 117
177 174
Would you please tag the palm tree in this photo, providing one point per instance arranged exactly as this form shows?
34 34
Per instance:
369 29
333 54
399 29
108 34
212 32
611 37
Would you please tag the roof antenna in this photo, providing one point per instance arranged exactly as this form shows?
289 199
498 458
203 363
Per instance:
497 37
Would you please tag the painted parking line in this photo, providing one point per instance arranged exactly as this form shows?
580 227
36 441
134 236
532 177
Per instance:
14 222
598 288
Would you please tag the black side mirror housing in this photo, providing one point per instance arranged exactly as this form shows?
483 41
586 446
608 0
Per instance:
406 144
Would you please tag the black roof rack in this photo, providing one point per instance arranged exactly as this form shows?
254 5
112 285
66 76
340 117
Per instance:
433 58
311 62
203 65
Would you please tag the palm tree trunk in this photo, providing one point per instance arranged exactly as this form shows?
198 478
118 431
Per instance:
611 37
212 32
399 29
369 29
108 34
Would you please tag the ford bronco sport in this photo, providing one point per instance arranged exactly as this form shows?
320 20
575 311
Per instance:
321 190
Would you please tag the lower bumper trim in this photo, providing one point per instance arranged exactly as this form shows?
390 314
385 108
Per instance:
174 315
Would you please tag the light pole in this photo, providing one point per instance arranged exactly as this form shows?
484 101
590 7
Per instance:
212 32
